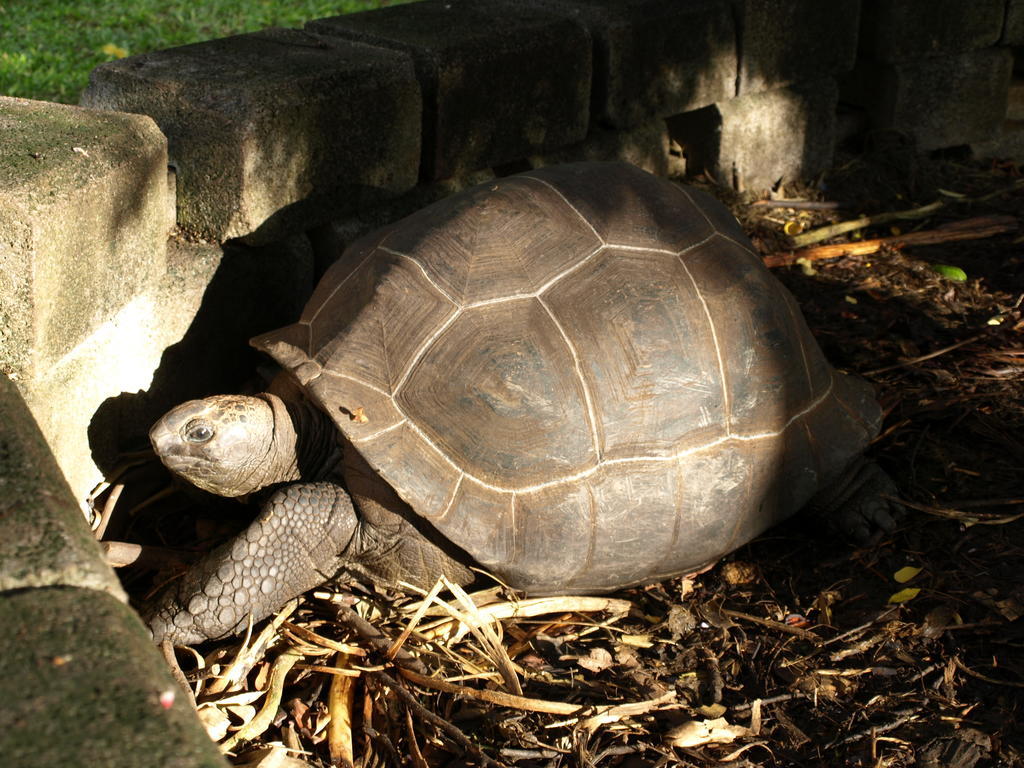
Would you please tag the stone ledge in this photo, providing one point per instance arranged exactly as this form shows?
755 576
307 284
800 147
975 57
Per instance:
82 685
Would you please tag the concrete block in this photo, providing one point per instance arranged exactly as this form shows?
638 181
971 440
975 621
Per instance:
646 146
273 132
83 222
795 41
755 141
82 684
655 58
83 230
500 80
43 539
1013 27
1007 144
1015 99
941 101
80 678
897 30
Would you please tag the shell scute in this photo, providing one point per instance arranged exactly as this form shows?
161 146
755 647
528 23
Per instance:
510 410
642 337
504 238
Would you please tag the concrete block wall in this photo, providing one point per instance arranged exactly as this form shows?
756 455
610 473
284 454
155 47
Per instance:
519 66
273 126
1008 141
285 130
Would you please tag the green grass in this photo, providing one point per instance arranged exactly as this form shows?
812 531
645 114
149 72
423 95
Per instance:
48 47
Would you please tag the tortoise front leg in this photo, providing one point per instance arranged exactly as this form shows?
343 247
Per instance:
860 503
294 545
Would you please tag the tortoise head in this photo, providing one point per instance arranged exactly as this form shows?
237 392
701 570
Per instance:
223 444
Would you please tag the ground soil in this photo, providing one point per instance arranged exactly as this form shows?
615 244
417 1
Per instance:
799 649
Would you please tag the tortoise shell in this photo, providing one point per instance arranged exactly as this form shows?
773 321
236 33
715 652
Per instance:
583 376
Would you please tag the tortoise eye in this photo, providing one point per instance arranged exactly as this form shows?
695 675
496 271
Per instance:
197 432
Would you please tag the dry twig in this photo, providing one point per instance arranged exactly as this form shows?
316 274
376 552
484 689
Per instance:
340 703
614 711
929 356
275 689
801 205
831 230
968 229
977 675
377 639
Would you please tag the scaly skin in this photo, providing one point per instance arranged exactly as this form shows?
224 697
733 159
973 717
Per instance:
294 545
860 504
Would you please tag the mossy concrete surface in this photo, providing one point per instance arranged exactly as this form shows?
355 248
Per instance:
83 685
83 220
43 539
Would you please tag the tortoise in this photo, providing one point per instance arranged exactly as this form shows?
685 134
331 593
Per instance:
576 379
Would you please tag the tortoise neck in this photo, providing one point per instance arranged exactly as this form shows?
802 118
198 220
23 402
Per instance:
305 445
